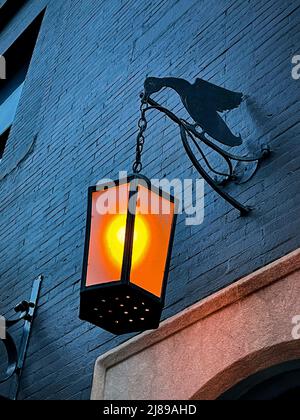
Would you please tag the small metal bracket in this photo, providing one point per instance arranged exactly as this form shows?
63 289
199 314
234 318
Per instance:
16 357
245 171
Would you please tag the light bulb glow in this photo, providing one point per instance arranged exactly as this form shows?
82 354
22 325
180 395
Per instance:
115 239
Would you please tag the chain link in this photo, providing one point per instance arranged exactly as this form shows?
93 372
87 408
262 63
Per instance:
140 142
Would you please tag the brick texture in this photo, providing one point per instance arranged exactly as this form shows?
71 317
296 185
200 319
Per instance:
76 124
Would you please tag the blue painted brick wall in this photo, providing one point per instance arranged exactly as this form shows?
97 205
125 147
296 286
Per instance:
76 124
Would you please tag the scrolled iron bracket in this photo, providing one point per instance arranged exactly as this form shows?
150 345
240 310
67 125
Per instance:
16 356
240 168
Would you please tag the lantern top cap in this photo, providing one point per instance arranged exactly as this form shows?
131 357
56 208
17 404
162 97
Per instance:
136 180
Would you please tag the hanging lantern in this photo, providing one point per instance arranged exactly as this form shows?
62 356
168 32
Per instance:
130 231
131 224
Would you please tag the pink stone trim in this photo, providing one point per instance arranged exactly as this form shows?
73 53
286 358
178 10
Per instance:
238 293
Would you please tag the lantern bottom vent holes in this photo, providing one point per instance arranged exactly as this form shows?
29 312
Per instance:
120 309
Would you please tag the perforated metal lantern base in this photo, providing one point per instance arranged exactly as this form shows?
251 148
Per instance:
120 309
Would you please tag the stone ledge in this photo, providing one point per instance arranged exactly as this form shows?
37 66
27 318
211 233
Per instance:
237 294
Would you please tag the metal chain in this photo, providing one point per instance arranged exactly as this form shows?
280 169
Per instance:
140 142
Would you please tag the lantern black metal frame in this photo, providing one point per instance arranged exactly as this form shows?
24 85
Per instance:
103 305
16 357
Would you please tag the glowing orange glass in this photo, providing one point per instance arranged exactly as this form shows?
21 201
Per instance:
150 274
115 239
150 240
103 255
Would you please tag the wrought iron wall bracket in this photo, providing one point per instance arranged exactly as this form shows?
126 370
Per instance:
16 357
190 134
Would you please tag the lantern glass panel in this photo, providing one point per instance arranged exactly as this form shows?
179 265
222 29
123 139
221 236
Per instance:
152 232
107 236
